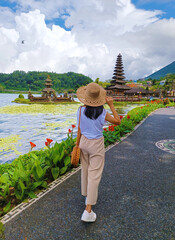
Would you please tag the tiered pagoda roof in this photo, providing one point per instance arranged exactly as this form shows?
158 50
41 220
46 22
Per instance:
118 75
118 81
119 86
48 84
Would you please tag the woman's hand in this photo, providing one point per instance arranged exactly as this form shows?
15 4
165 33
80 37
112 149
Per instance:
109 101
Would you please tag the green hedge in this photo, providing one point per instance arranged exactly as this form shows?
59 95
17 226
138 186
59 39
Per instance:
136 115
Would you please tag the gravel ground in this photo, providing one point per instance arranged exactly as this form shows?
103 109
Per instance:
136 195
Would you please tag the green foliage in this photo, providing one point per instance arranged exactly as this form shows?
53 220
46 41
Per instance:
111 136
169 84
20 80
166 101
58 158
1 88
114 133
103 84
23 179
29 172
126 126
4 190
21 100
21 96
2 230
71 90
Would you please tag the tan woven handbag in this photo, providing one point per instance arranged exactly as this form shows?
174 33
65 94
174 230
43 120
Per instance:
75 155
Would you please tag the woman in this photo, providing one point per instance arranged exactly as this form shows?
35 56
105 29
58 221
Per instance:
93 117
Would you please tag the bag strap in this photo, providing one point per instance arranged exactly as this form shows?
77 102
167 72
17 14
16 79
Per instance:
79 131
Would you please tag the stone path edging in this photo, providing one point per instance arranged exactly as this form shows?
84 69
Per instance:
24 205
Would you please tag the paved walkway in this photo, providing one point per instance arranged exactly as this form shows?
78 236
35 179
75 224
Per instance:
136 194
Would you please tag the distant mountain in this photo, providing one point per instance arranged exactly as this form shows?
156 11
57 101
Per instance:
163 71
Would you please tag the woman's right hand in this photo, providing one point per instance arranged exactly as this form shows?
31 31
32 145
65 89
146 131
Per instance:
110 118
109 101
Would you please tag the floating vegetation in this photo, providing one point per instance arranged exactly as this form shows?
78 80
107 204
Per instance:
39 108
44 109
60 124
24 128
8 144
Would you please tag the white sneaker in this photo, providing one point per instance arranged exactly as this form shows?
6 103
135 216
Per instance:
88 217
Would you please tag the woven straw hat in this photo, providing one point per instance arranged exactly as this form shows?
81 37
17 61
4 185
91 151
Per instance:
92 95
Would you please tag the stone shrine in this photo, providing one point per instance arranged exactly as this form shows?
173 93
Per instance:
49 94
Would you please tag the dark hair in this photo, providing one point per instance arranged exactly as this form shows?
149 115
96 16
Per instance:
93 112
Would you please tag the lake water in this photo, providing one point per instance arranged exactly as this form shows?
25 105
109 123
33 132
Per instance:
23 123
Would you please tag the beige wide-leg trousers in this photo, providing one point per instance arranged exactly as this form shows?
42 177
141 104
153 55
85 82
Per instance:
92 158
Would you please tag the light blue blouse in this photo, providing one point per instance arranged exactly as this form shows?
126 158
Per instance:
91 129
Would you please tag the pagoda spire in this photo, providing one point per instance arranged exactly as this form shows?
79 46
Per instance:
118 75
48 82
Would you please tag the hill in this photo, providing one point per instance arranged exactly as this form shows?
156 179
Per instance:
163 71
35 81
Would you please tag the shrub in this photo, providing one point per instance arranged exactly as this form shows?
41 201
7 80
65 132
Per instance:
136 115
21 96
166 101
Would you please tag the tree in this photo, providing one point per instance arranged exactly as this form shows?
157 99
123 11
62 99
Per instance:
103 84
153 81
71 90
97 80
1 88
19 80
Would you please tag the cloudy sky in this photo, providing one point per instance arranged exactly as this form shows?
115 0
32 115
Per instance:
86 36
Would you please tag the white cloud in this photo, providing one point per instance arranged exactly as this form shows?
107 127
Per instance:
6 17
51 9
8 49
151 48
100 30
42 48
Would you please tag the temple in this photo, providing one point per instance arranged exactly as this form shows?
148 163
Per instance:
118 87
49 94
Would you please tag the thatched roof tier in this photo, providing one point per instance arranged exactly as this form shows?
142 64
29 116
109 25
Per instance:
118 77
119 81
116 73
48 85
48 90
137 90
118 86
120 68
48 82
